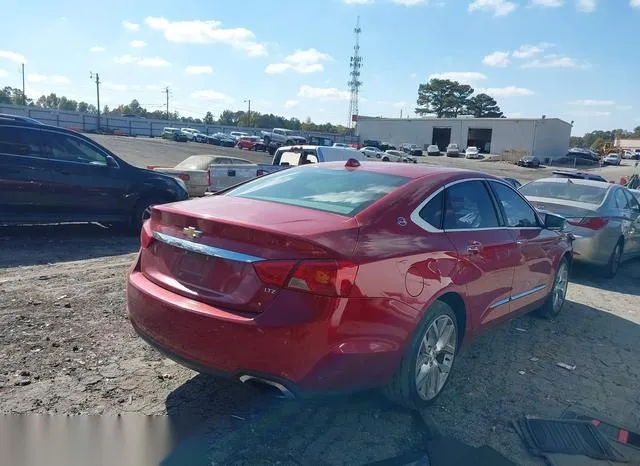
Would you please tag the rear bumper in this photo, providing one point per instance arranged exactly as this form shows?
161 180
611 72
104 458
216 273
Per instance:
337 351
596 249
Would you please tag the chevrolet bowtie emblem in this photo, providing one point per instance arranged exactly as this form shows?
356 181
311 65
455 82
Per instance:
191 232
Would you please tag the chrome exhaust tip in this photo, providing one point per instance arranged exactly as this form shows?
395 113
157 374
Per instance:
284 391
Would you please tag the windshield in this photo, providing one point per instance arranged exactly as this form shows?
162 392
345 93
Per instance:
337 191
565 191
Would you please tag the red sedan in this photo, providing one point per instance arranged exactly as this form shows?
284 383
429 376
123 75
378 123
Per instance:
334 277
251 143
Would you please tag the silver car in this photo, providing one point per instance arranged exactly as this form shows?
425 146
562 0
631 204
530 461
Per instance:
603 217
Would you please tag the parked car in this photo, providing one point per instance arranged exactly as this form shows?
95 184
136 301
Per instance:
251 143
372 152
174 134
398 156
292 156
282 136
433 150
193 171
190 133
341 144
235 135
412 149
513 182
371 142
54 175
453 150
201 137
627 154
612 159
221 139
578 158
529 161
603 217
472 152
320 141
385 146
577 175
217 279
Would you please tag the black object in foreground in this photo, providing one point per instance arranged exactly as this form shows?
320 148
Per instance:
574 437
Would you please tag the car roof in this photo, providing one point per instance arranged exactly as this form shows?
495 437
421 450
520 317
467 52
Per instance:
581 181
412 171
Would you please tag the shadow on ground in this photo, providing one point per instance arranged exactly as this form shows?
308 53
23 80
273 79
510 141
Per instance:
508 372
627 280
46 244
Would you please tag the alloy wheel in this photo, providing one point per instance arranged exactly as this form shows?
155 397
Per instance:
435 357
560 287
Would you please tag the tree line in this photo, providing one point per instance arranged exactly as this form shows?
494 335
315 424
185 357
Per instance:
445 98
596 140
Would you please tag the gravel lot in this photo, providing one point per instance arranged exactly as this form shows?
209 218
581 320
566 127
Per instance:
66 347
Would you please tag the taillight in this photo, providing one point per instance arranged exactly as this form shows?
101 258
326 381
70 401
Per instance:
146 235
328 278
592 223
184 177
274 272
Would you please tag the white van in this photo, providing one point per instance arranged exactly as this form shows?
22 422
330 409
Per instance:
292 156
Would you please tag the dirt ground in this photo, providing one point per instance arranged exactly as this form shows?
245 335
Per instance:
66 347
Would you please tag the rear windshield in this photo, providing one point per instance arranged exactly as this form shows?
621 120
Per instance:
565 191
337 191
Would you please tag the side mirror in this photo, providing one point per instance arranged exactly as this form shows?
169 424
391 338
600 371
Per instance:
554 222
111 162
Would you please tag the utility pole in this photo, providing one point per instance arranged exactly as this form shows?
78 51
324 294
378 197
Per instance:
97 94
400 113
249 113
24 97
166 91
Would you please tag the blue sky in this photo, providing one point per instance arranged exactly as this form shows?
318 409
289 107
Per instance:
572 59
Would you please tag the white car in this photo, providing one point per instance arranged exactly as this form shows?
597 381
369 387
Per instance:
190 133
398 156
433 150
627 154
341 144
612 159
472 152
372 152
453 150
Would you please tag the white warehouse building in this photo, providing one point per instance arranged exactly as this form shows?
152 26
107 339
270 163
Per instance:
509 137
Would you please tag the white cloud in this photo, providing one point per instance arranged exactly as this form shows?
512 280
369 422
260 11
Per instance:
198 69
148 61
207 32
548 3
211 95
96 48
593 103
115 87
635 3
408 2
130 26
300 61
3 73
586 6
499 59
591 113
552 61
529 51
466 77
507 91
138 43
323 93
400 104
54 78
499 7
13 56
291 103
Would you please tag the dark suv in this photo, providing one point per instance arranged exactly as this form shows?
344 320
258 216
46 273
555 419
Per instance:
53 175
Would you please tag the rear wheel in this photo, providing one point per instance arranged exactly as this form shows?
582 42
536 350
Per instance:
142 212
614 261
553 305
428 360
385 159
266 140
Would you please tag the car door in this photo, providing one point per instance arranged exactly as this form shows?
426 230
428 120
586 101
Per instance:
633 241
487 250
534 270
25 182
84 184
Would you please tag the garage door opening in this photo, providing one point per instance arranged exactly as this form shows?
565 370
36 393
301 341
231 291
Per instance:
481 138
441 138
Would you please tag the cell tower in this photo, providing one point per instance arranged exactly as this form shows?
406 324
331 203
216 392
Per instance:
354 74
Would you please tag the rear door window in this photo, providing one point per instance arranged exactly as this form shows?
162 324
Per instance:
433 210
517 211
19 141
337 191
469 206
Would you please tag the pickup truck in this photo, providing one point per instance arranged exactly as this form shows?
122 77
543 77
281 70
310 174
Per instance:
282 136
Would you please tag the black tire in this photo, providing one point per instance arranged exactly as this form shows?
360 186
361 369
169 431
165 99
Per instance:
613 265
385 159
402 389
551 309
266 140
140 212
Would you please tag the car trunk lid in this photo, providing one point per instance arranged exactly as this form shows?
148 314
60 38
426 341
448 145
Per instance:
571 210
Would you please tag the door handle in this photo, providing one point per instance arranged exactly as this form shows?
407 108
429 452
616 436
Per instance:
520 242
474 247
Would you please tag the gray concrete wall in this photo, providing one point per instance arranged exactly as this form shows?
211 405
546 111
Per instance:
135 126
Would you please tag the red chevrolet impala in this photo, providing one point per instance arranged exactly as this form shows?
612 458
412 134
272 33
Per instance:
334 277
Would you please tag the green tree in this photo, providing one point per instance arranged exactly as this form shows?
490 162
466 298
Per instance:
443 97
576 141
484 106
636 132
67 104
208 118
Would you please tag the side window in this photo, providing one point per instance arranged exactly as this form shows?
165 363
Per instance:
633 202
621 200
240 161
63 147
432 211
468 205
518 213
19 141
222 160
